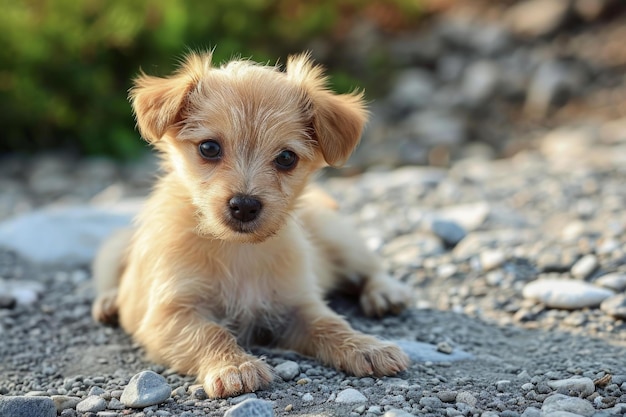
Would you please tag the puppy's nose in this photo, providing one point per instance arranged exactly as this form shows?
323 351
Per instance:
244 208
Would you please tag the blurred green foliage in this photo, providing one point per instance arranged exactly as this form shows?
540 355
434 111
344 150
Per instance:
66 65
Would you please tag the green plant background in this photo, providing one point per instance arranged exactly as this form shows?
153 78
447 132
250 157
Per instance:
66 65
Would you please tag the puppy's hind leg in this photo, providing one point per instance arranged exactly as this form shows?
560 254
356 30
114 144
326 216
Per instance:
347 264
107 269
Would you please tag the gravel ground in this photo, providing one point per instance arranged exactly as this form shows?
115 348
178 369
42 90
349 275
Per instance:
518 261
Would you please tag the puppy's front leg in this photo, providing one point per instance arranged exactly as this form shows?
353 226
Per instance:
191 344
319 332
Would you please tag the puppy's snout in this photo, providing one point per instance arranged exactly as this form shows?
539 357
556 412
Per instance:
244 208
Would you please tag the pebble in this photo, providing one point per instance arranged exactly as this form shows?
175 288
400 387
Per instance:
584 266
251 408
115 404
467 398
145 389
576 386
614 281
241 398
350 396
448 231
394 412
307 397
63 402
536 18
447 396
22 406
566 293
615 306
288 370
92 404
491 259
560 402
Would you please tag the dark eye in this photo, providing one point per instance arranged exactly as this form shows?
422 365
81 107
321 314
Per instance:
286 160
210 150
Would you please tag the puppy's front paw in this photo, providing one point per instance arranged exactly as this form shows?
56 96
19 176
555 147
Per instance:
104 308
230 380
373 357
382 295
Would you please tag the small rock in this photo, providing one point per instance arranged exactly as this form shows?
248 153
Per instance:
424 352
503 385
450 232
614 281
431 402
577 386
566 293
92 404
96 390
560 402
615 306
63 402
447 396
584 266
251 408
145 389
350 396
288 370
534 18
550 86
491 259
23 406
413 89
480 81
466 398
115 404
531 412
444 347
307 397
437 128
241 398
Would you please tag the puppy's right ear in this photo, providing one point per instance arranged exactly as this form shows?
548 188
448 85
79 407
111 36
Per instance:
158 102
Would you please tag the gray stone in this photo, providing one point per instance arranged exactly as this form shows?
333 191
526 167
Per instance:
145 389
92 404
566 293
466 397
469 216
437 128
241 398
615 306
350 396
551 84
251 408
63 235
560 402
480 82
115 404
413 89
449 231
431 402
491 259
288 370
425 352
531 412
23 292
534 18
307 397
584 266
614 281
23 406
63 402
447 396
577 386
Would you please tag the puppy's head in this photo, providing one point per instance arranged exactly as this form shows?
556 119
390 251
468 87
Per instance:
244 138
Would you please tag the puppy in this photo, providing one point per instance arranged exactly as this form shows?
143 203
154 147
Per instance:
234 247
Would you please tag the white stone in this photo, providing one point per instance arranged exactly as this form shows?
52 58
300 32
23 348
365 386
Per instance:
579 386
64 234
584 266
350 396
491 259
563 403
307 398
615 281
287 370
565 293
145 389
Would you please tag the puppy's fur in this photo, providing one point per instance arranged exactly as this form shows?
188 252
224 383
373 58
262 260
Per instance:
194 281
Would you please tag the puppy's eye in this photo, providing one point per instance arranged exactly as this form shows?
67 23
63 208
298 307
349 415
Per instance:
286 160
210 150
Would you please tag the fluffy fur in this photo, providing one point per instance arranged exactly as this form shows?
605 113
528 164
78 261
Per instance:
193 284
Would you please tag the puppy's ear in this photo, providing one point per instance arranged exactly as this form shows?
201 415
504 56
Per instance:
337 119
159 102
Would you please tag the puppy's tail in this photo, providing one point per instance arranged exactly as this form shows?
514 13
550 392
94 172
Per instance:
107 268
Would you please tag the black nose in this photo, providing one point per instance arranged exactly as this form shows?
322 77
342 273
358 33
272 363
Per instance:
244 208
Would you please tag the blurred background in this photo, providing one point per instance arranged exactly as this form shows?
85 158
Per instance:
446 79
443 72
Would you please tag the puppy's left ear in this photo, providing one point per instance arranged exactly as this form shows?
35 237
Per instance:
159 103
337 119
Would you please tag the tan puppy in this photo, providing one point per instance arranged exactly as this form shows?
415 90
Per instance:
233 247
